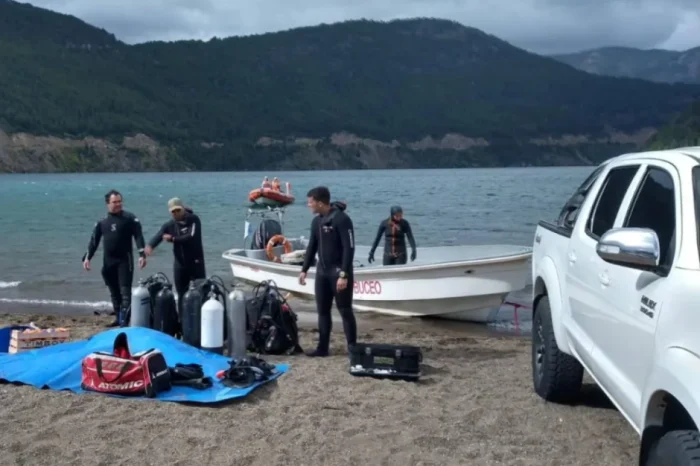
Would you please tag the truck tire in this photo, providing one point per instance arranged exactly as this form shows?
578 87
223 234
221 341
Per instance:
676 448
556 376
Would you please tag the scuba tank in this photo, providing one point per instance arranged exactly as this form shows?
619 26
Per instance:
165 317
190 315
212 325
140 306
237 325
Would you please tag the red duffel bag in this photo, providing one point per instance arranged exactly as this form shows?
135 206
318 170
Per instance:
122 373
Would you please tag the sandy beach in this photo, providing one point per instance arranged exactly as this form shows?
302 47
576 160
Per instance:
474 405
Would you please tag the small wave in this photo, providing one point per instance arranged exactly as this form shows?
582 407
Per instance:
9 284
58 302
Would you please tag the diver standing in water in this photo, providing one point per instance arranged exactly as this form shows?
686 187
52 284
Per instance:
394 229
117 228
333 237
184 230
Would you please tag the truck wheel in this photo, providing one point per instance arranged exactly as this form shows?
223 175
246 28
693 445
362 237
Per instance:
676 448
556 375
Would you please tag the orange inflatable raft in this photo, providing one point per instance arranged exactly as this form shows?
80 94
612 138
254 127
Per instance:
270 197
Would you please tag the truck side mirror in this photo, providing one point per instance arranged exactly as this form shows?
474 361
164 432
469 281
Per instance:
637 248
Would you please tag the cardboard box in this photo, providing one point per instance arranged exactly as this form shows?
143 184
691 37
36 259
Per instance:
33 338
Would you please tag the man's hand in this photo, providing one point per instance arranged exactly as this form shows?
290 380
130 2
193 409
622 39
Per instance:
302 278
86 264
142 262
148 251
342 284
370 259
168 238
413 255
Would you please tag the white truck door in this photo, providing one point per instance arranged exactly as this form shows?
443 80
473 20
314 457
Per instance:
583 266
633 297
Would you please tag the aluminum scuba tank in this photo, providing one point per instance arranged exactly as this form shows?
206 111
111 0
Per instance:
165 318
237 325
190 316
140 306
212 334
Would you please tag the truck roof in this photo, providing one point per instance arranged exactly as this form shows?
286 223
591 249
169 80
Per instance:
675 156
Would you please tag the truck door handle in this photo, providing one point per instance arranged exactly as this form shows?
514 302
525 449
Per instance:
572 258
604 279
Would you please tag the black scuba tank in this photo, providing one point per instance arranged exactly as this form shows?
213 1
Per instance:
165 318
191 315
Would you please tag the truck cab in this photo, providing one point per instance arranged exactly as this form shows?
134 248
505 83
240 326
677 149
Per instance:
617 293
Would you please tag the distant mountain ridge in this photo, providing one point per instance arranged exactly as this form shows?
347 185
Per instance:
666 66
418 93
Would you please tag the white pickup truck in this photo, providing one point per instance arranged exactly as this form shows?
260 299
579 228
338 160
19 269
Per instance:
617 292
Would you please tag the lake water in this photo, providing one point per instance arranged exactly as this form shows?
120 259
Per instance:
46 220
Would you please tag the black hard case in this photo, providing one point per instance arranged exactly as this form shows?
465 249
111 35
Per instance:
386 361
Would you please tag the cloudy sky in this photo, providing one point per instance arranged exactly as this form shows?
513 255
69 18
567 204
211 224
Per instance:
542 26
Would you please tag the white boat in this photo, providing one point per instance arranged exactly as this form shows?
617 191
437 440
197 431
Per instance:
455 282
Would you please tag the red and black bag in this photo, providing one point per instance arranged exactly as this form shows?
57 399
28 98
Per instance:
121 373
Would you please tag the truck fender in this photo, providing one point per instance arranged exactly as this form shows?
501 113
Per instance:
547 274
675 374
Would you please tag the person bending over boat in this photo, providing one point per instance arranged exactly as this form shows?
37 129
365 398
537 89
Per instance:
184 230
117 229
395 229
333 237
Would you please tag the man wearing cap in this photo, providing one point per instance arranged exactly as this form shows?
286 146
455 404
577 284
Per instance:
185 232
394 229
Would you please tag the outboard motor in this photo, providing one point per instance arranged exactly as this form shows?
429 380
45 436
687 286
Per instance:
165 317
266 230
140 306
190 315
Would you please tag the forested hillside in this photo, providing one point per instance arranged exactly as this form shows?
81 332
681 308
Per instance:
358 94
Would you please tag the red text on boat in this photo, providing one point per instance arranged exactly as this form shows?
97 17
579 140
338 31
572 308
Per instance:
367 287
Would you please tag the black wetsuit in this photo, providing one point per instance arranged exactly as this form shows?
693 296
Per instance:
333 237
187 250
394 241
117 231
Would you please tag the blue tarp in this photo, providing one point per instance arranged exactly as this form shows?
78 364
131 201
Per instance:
58 367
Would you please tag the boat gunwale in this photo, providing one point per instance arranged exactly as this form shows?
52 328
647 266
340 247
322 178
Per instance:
244 260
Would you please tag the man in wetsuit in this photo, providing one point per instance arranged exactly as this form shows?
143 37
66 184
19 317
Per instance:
333 237
117 229
394 229
184 230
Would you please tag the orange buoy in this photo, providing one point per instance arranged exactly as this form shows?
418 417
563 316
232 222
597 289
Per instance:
274 241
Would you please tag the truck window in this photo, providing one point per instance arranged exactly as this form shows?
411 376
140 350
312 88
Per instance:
569 213
610 197
696 197
654 207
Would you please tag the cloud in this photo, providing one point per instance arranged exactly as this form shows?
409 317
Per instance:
542 26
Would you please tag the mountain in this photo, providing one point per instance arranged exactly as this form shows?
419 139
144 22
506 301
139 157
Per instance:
656 65
418 93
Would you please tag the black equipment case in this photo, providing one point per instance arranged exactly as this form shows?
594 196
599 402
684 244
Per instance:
386 361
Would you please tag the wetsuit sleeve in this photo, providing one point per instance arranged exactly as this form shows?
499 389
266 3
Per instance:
94 242
312 248
380 232
409 233
195 231
158 237
137 233
347 240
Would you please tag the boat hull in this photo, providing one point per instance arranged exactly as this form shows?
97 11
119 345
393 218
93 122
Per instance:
462 290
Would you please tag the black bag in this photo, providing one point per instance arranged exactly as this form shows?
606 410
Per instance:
271 324
390 361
